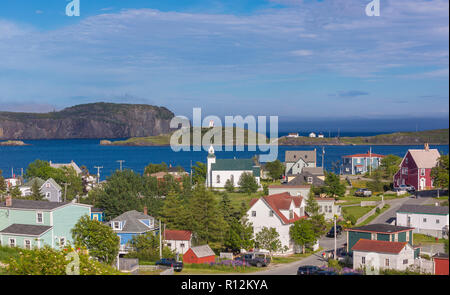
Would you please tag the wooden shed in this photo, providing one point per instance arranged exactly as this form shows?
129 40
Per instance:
199 254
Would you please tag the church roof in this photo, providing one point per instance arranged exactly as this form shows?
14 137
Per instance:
236 165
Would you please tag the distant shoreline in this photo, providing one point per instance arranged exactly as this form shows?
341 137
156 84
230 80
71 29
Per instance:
13 143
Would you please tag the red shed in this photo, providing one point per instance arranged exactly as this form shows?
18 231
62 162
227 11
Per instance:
199 254
441 264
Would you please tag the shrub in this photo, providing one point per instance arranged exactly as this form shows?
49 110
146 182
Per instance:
378 210
352 219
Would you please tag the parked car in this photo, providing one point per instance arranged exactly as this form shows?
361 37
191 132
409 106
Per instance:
324 273
170 262
307 270
363 192
408 188
257 259
330 233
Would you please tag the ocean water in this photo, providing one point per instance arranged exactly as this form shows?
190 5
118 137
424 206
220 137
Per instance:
90 153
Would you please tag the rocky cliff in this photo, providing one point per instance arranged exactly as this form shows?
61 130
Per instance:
96 120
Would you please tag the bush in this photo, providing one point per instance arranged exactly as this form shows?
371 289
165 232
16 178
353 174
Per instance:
352 219
333 263
229 186
48 261
378 210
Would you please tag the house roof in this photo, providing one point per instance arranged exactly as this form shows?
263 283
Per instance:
25 229
177 235
31 204
366 155
96 210
176 169
283 201
313 170
302 179
233 164
439 210
203 251
425 158
30 183
71 164
53 182
294 156
132 221
289 186
440 255
380 228
379 246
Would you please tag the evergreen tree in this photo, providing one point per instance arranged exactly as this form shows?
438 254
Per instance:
440 173
36 192
316 218
15 192
174 214
2 183
333 186
226 209
229 186
247 183
275 169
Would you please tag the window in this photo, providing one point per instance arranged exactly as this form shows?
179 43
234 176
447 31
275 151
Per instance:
424 220
396 238
182 245
95 217
116 225
405 261
363 260
406 161
291 214
47 195
405 171
330 209
232 179
422 172
373 236
47 185
320 209
62 242
27 244
12 242
218 178
437 221
310 180
39 217
407 237
386 262
253 213
270 213
169 245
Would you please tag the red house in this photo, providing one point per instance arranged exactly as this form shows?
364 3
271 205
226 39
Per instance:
441 264
199 254
415 168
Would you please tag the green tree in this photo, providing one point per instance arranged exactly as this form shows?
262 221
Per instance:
440 173
275 169
389 166
206 219
15 192
333 186
268 239
174 213
2 183
316 218
101 241
146 248
239 235
226 209
229 186
376 185
199 172
247 183
36 192
302 233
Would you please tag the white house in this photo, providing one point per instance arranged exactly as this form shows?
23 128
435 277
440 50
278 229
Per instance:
312 134
278 211
382 255
293 190
221 170
429 220
293 135
328 207
178 241
297 160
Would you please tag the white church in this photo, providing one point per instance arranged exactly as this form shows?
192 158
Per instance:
220 170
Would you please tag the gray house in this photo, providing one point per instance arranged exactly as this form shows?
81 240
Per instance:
49 188
297 160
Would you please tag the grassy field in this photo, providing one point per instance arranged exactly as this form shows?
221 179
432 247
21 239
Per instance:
236 199
356 211
350 200
424 239
368 220
293 257
6 253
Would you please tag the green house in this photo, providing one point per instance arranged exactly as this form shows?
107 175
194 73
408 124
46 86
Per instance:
379 232
29 224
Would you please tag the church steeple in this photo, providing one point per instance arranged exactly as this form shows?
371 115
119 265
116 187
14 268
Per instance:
211 152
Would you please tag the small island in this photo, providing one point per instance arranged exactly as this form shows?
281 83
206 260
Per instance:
13 143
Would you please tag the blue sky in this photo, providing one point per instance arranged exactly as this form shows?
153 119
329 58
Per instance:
293 58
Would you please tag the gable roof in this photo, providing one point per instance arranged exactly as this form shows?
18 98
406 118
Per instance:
31 204
203 251
366 155
26 229
425 158
233 164
314 170
30 183
294 156
177 235
439 210
71 164
379 246
380 228
132 221
53 182
283 201
302 179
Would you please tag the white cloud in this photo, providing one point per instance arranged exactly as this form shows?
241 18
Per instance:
302 52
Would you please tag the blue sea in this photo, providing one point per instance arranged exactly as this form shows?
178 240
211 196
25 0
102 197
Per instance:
90 153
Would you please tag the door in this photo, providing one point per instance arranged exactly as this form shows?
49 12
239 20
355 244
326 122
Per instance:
422 183
408 223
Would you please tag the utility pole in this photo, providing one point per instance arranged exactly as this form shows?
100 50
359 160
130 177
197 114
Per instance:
160 240
21 172
323 155
120 161
335 248
65 190
191 173
98 173
370 161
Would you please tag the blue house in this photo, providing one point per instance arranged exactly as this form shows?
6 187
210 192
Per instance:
130 224
97 214
360 163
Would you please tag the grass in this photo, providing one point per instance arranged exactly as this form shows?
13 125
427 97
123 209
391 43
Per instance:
216 269
294 257
368 220
356 211
7 252
424 239
350 200
236 199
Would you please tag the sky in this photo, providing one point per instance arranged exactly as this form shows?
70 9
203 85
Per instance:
297 59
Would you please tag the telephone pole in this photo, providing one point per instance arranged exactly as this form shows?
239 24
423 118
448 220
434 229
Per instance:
120 161
323 155
160 241
65 190
370 161
98 173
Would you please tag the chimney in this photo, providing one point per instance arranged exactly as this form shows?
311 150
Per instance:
427 146
145 210
8 201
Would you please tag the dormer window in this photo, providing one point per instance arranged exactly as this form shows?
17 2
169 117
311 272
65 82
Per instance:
116 225
291 214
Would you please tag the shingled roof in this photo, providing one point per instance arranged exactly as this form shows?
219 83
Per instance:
379 246
380 228
26 229
132 221
283 201
203 251
439 210
177 235
294 156
425 158
31 204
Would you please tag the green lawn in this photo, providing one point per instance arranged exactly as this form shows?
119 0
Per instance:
236 199
356 211
293 257
368 220
424 239
350 200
